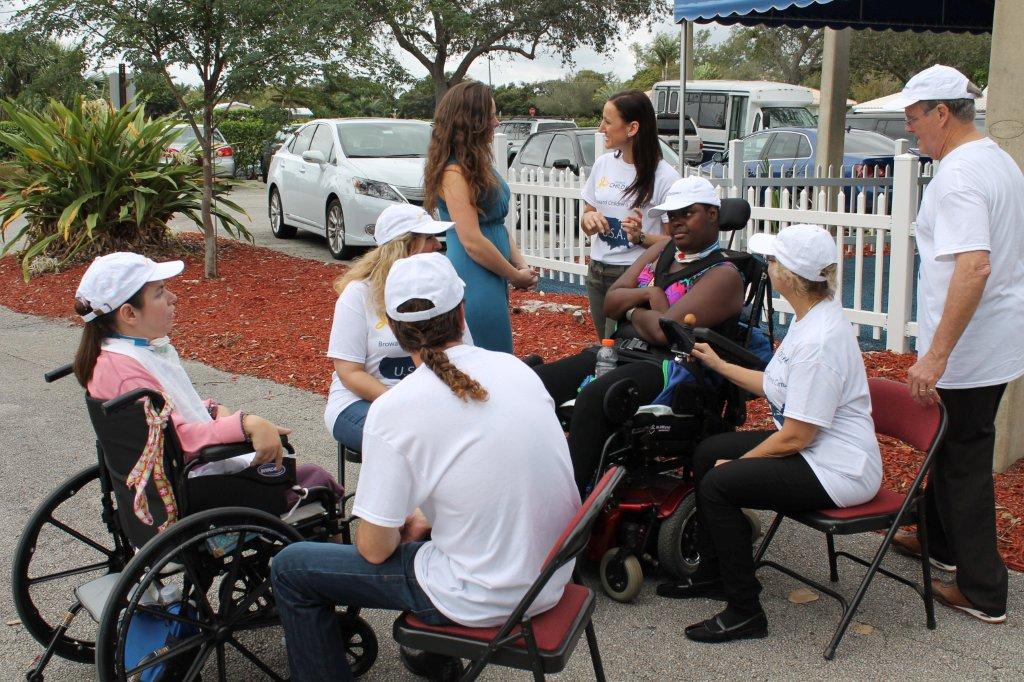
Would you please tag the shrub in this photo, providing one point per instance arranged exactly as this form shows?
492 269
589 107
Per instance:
247 130
11 128
90 179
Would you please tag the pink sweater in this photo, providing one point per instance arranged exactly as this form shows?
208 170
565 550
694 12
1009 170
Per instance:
117 374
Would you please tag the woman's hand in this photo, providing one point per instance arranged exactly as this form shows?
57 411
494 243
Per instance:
415 527
634 226
525 278
593 223
705 354
266 439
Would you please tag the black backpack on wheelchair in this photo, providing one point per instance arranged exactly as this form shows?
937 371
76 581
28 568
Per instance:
167 604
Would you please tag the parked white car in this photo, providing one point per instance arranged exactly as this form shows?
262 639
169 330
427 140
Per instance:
185 141
335 177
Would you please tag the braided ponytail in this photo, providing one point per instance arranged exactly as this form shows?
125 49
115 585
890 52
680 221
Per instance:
428 337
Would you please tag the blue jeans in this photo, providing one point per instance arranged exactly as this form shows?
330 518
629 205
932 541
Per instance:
311 578
348 427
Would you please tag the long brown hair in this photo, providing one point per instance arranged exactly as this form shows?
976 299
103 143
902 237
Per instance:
373 268
462 131
634 105
428 337
94 333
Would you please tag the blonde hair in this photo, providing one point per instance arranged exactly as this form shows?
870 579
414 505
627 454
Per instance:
815 290
428 337
373 268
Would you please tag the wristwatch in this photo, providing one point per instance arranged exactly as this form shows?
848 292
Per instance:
641 240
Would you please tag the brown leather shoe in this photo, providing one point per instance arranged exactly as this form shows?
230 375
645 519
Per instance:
951 596
906 543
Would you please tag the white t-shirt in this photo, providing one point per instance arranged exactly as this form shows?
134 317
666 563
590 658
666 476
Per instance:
494 478
975 202
360 334
817 376
604 191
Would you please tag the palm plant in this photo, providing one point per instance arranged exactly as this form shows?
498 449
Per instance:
91 179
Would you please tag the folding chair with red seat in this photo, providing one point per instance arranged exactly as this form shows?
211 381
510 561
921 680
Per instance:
542 643
896 415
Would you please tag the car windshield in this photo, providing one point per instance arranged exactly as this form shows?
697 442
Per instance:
379 139
587 147
788 117
868 144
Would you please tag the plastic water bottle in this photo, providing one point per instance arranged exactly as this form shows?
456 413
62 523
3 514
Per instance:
607 358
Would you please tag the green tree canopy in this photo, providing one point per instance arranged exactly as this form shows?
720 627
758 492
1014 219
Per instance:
34 68
229 45
580 94
437 32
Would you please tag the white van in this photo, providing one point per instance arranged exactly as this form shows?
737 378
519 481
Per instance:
726 110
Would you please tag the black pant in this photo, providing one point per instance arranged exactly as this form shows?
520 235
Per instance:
723 533
589 429
961 505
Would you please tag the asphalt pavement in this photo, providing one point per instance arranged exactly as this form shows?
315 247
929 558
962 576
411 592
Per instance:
45 437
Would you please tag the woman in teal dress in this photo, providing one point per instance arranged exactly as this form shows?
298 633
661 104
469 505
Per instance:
460 181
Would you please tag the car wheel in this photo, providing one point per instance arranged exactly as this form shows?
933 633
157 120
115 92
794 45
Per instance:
276 213
336 230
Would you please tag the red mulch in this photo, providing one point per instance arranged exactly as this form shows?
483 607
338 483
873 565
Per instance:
269 316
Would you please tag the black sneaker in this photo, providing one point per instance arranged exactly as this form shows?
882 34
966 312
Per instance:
727 626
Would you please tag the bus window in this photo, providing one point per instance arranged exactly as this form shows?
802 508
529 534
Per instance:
757 123
662 96
796 117
737 116
712 111
673 102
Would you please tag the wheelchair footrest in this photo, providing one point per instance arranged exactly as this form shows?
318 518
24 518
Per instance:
93 595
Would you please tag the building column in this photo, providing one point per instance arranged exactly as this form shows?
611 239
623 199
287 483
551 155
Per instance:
1004 123
835 81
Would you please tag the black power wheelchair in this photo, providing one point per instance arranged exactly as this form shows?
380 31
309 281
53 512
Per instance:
191 600
652 516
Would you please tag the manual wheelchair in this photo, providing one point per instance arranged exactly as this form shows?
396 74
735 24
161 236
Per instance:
652 516
192 599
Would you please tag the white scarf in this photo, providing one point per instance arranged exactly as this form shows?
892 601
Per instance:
160 359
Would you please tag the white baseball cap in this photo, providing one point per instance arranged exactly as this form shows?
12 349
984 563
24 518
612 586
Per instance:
402 219
686 192
935 82
430 276
803 249
112 279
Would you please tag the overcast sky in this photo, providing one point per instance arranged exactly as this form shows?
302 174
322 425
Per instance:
504 69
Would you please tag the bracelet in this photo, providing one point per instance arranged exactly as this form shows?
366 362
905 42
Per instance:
641 240
629 314
241 423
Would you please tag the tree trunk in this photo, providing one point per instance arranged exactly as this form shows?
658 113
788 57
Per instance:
440 87
209 232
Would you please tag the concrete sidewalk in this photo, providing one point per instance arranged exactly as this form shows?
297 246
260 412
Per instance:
45 437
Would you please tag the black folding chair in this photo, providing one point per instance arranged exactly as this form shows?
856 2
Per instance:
541 643
896 415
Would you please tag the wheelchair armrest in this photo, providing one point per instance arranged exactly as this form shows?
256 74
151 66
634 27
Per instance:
216 453
729 349
58 373
130 398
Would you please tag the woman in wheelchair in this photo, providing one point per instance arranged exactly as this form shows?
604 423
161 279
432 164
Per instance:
367 358
128 313
667 280
824 454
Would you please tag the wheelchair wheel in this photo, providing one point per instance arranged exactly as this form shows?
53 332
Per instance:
203 587
64 545
360 643
621 579
677 550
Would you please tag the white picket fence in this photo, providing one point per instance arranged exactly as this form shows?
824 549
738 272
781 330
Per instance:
872 220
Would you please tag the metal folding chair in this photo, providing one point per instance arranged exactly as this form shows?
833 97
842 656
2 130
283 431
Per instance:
896 415
541 643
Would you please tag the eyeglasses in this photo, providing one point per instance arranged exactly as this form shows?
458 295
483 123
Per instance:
912 120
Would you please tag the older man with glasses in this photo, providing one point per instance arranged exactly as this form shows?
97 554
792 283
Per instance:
970 312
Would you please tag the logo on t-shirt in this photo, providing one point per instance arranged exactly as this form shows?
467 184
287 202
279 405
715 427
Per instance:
616 236
396 368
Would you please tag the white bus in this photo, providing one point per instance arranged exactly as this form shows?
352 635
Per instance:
725 110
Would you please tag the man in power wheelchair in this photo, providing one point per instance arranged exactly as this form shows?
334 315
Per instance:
688 278
196 503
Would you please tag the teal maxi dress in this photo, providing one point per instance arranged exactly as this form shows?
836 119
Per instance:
486 293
